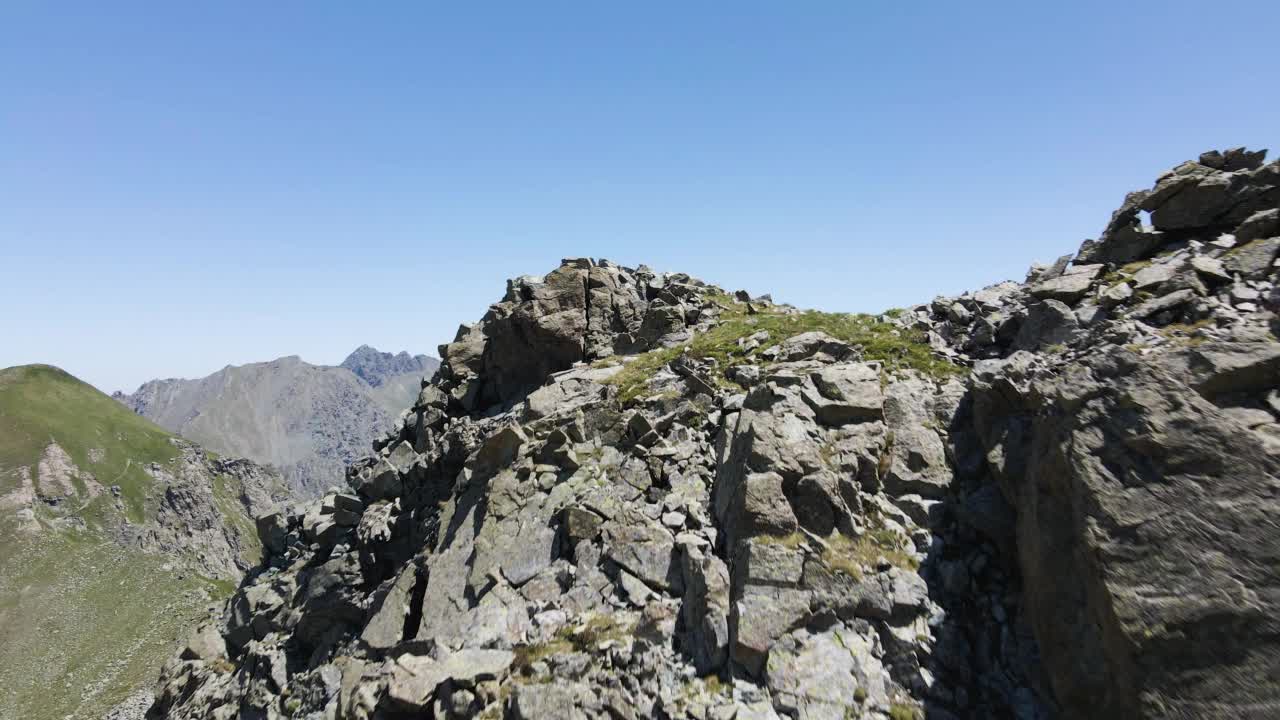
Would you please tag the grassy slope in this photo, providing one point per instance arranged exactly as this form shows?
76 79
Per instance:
226 493
40 404
83 622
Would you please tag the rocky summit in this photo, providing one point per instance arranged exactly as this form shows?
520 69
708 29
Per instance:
631 494
378 368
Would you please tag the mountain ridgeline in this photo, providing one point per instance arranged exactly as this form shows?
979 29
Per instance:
308 421
378 368
630 494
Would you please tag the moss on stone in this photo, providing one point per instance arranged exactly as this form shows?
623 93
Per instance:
895 347
902 711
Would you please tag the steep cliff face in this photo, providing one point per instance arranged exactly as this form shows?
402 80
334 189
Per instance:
1142 454
631 494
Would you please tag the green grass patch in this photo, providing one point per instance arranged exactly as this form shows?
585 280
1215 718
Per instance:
84 623
715 685
218 588
711 684
633 380
572 638
1124 272
1186 334
527 655
1241 248
827 454
895 347
885 461
902 711
792 541
598 629
227 491
850 555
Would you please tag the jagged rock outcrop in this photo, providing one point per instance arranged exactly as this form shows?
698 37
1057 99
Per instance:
631 494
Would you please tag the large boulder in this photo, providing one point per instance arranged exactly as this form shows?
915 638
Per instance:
832 675
916 457
580 311
414 679
539 329
1069 287
846 392
1253 260
1146 535
1048 323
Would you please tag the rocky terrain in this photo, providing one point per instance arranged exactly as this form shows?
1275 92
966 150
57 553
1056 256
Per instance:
630 494
114 535
307 421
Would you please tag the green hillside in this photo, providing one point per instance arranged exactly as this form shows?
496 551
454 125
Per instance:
40 404
86 622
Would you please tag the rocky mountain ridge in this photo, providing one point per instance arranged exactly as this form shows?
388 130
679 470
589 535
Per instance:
308 421
376 368
630 494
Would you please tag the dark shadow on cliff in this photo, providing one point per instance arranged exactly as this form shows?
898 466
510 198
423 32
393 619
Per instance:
984 661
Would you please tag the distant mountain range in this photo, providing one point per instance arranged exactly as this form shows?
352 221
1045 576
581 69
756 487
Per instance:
308 421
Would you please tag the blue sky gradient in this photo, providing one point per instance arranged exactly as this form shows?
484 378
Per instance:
185 185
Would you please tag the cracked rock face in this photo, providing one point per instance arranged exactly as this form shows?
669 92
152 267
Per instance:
578 519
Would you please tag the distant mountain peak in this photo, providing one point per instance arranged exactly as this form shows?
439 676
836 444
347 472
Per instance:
376 367
344 408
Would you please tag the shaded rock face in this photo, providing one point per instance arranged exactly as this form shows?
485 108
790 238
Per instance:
1140 458
1145 527
577 519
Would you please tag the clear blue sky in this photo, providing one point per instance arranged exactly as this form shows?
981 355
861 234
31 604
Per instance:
187 185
